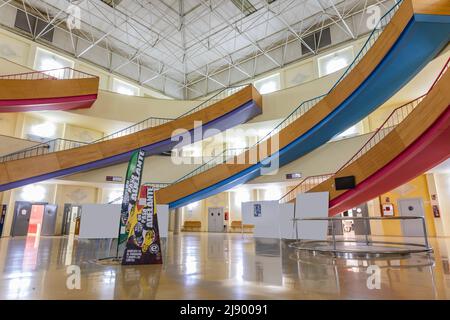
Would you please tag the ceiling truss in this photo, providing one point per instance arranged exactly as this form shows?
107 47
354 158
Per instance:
171 45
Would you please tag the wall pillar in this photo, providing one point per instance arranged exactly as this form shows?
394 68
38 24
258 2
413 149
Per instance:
177 222
8 199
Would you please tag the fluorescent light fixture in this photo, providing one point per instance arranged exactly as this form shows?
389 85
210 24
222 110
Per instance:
33 192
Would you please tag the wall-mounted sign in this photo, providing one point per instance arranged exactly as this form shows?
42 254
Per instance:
296 175
387 208
257 210
436 211
114 178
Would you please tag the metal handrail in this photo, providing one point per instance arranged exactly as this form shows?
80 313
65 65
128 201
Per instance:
298 245
309 104
64 73
392 121
61 144
43 148
305 185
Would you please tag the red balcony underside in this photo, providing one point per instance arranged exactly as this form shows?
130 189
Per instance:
430 149
63 103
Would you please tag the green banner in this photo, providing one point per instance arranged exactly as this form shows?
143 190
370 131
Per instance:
130 192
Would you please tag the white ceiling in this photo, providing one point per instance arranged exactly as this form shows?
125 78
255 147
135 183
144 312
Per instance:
172 45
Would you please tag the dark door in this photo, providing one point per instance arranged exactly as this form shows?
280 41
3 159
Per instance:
408 208
362 227
22 212
65 226
2 217
49 220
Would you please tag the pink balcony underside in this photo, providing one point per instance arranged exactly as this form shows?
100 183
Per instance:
62 103
430 149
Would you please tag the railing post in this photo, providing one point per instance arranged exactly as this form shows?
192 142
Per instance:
333 235
425 233
366 231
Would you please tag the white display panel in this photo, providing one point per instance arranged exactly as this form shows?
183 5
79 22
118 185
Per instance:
312 205
162 210
286 214
99 221
265 220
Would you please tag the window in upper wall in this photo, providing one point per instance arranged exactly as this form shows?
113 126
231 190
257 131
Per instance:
353 131
335 61
123 87
269 84
49 61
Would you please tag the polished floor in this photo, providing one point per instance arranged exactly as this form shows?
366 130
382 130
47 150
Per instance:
213 266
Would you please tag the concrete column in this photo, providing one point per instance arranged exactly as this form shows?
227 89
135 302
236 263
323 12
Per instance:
9 200
177 224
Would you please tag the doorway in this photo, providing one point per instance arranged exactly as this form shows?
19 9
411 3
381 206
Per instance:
408 208
216 219
2 217
71 214
49 220
33 219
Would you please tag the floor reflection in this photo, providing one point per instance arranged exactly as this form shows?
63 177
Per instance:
213 266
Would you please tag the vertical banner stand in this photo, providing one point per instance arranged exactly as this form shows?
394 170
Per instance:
143 244
130 194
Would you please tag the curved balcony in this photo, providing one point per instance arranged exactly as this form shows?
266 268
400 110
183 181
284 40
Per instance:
57 89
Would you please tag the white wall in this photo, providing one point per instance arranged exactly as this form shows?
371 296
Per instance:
439 184
11 144
162 210
312 205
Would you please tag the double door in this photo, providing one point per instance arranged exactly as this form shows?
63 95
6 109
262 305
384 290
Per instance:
216 219
412 207
34 218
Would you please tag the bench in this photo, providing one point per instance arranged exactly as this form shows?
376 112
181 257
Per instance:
237 226
192 225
